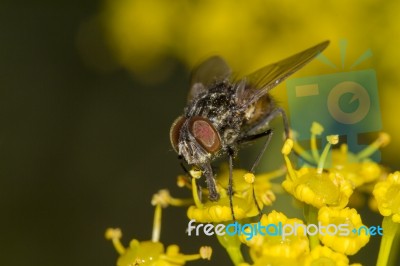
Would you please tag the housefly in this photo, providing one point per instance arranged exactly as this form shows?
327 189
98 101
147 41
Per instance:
224 112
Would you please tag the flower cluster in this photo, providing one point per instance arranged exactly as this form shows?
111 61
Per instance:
245 203
387 194
330 185
315 186
323 185
275 248
152 252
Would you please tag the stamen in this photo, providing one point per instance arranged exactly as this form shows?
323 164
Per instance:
173 256
164 199
298 149
115 234
381 141
156 224
332 140
205 252
182 181
286 149
302 153
249 178
195 194
195 172
268 197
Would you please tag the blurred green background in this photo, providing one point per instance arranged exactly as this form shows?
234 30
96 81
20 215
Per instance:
88 91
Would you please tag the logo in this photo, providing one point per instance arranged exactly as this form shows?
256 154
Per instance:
280 229
345 103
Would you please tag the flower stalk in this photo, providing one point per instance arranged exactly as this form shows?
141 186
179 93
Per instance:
156 224
232 246
390 230
311 215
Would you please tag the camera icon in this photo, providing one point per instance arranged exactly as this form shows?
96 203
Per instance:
345 103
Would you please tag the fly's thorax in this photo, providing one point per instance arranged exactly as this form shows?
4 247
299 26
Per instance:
214 103
219 105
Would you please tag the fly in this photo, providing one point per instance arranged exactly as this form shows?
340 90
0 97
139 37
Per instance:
222 112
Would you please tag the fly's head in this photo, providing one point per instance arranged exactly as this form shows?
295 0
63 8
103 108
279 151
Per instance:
195 138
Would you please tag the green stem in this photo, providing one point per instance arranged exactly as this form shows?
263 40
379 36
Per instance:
311 215
195 194
236 255
395 246
232 246
156 224
390 230
322 159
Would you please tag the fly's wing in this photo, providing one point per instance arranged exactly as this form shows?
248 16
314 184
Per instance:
212 70
264 79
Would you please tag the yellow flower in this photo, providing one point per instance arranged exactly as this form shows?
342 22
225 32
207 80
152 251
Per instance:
322 256
358 168
347 222
150 252
315 186
283 246
278 261
243 200
245 181
220 211
387 195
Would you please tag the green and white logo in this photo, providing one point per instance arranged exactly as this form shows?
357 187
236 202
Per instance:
345 103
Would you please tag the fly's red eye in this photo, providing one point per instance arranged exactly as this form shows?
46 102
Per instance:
205 134
174 132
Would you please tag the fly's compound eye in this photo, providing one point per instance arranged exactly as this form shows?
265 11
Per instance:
205 134
175 131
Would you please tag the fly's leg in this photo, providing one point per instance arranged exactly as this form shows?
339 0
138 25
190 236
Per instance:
257 132
230 185
212 189
279 111
255 164
252 135
276 112
268 118
269 134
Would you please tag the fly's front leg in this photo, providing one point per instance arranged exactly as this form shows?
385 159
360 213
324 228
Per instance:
267 133
230 185
212 189
260 126
276 112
